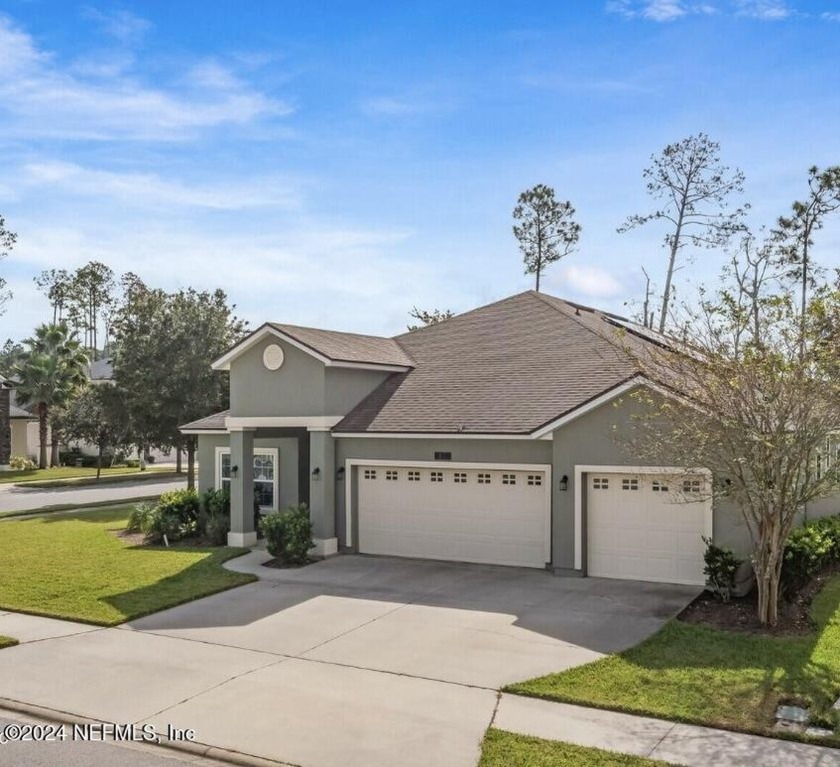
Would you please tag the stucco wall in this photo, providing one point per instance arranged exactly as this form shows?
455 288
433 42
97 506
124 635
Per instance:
287 484
302 386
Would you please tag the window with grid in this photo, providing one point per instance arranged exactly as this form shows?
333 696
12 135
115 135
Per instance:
483 479
659 487
508 479
692 485
437 476
391 476
370 473
535 480
460 477
265 476
629 483
414 476
600 483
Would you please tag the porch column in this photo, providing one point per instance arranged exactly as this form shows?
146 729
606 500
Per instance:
322 492
242 531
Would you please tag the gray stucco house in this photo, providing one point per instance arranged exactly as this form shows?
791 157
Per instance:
488 438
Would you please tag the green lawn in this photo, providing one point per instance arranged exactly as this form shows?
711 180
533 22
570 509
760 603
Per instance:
72 567
506 749
69 472
697 674
7 642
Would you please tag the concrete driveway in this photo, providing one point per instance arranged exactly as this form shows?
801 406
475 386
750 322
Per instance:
352 661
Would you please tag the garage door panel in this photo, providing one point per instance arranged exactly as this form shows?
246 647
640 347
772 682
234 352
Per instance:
490 522
637 530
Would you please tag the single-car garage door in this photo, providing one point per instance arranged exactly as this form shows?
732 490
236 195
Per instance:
646 527
464 514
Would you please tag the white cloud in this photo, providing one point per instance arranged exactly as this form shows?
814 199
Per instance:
768 10
658 10
122 25
41 98
830 15
149 189
588 281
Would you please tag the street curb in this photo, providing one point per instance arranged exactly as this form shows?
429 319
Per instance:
194 748
105 479
29 513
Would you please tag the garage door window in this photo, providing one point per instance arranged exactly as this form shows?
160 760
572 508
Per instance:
692 485
535 480
460 478
414 476
483 479
391 476
437 476
629 483
600 483
370 473
659 487
508 479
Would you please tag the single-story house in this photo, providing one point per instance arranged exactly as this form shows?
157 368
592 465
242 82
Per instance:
490 438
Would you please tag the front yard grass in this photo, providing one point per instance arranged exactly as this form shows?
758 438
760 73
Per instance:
701 675
7 642
73 472
506 749
72 566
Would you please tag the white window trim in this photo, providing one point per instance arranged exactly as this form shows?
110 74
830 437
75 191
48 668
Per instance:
349 463
581 469
272 451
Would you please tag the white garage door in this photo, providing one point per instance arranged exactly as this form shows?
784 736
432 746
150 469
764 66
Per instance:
494 516
647 528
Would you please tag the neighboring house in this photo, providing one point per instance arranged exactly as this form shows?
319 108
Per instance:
491 437
20 426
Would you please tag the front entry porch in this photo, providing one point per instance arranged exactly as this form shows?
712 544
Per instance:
293 465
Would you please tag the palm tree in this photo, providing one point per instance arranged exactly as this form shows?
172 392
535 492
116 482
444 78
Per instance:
49 372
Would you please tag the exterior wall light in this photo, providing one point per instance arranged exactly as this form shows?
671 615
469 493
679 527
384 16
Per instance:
564 483
316 474
340 473
234 470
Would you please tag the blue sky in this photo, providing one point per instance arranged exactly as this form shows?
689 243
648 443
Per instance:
334 164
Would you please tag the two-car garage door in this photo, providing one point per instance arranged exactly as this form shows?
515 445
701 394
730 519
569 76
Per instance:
464 513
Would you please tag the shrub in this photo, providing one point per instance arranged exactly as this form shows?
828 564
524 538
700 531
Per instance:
216 528
216 502
720 568
183 504
22 463
137 516
158 523
288 534
808 550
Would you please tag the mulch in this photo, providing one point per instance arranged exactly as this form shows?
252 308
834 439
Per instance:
279 564
740 615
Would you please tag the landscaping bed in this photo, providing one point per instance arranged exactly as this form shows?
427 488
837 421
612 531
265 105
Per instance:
73 566
506 749
7 642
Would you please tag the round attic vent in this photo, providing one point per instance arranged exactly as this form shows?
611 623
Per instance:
273 357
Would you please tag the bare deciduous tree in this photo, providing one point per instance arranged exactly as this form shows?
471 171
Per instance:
693 187
7 242
428 317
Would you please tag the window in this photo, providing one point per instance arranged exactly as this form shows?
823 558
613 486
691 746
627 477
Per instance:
659 487
460 478
370 473
828 457
600 483
265 475
535 480
391 476
437 476
483 479
692 485
414 476
508 479
629 483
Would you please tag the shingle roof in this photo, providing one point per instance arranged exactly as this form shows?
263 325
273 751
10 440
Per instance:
506 368
348 347
19 412
101 370
215 422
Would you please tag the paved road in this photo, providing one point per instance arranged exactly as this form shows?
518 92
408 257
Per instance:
78 753
23 499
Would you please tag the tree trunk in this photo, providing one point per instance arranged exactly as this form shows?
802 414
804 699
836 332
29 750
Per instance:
179 463
99 462
56 444
675 246
42 434
768 569
191 462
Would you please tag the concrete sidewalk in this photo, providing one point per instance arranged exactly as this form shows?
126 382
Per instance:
654 738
